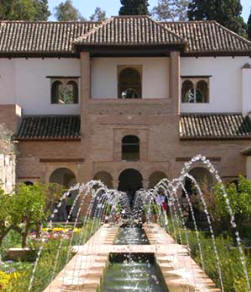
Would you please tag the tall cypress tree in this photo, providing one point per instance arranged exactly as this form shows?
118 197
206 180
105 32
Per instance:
249 27
134 7
226 12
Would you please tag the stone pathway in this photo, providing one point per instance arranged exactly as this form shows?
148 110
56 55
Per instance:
85 270
180 271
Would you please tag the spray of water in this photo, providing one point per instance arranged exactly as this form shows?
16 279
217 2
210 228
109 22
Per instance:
103 206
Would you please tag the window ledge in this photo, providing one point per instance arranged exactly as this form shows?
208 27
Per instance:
130 101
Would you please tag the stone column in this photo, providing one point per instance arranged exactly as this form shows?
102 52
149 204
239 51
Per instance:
246 88
85 94
145 184
175 80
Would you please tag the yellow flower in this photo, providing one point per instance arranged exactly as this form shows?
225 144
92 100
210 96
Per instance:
77 230
60 229
5 279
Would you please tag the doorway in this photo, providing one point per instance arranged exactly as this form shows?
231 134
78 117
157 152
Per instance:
130 181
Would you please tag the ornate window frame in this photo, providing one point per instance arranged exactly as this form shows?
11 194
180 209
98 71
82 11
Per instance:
64 82
197 94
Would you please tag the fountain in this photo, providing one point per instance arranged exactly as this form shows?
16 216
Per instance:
146 248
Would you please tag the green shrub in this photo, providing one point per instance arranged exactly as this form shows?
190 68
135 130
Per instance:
231 267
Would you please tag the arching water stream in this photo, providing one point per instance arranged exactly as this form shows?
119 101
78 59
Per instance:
114 206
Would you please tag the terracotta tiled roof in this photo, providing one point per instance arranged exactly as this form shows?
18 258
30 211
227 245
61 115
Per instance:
40 37
192 126
49 128
209 37
129 30
56 38
215 126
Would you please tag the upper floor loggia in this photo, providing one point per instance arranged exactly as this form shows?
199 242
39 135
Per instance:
60 68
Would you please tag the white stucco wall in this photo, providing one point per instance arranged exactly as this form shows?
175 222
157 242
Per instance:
7 81
155 76
23 81
225 93
246 90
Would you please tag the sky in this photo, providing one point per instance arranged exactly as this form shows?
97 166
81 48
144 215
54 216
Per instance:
87 7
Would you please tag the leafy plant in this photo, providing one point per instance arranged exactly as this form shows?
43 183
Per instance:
28 209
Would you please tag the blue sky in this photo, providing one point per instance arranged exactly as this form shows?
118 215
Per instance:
87 7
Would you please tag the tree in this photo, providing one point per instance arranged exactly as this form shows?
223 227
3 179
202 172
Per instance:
171 10
249 27
226 12
28 209
5 221
65 11
134 7
99 15
24 10
41 10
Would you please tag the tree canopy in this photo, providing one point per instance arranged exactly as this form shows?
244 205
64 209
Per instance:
134 7
24 10
98 15
226 12
65 11
171 10
249 27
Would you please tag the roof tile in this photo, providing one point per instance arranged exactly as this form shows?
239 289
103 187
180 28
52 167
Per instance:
49 128
129 30
42 38
215 126
208 37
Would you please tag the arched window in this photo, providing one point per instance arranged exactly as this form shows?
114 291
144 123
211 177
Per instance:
129 83
64 177
195 90
55 92
202 92
73 92
105 177
187 92
155 178
64 91
130 148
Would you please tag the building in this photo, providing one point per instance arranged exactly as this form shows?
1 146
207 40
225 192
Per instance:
127 101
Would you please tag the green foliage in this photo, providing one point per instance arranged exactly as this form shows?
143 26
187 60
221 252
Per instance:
231 267
5 219
99 15
47 262
249 27
226 12
28 208
171 10
41 10
24 10
239 198
65 11
134 7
